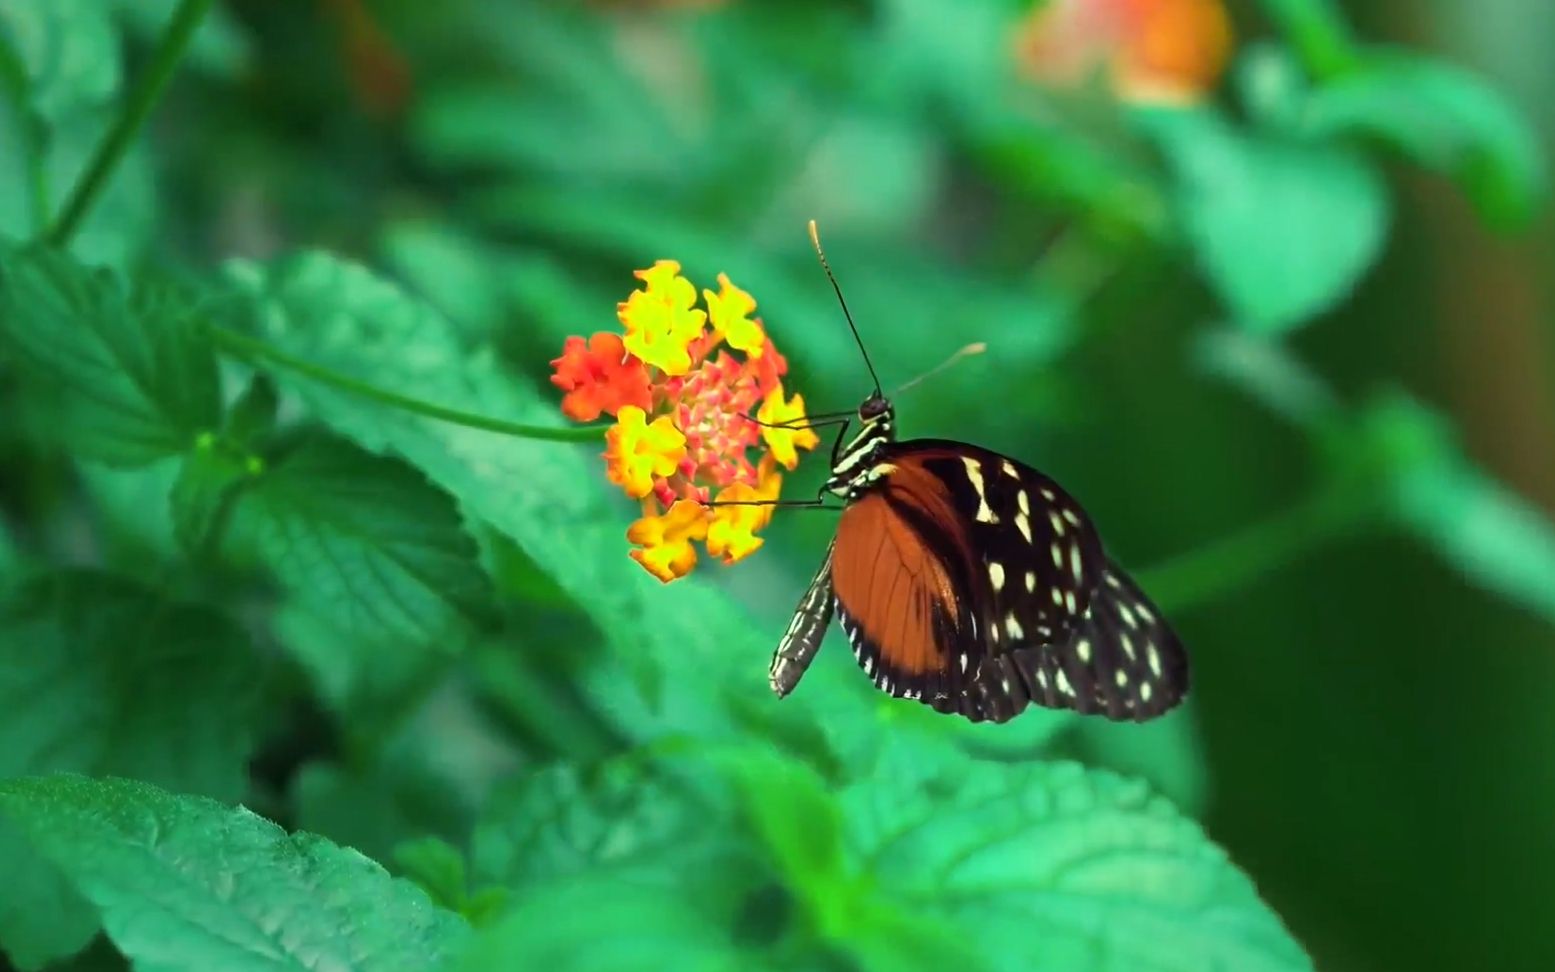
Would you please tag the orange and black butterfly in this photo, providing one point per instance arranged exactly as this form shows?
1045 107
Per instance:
971 582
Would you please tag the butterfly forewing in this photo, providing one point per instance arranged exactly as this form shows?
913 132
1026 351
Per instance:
974 583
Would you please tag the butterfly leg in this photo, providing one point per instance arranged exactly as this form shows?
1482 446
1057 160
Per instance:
805 633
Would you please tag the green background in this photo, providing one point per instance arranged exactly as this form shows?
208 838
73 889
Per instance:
1291 346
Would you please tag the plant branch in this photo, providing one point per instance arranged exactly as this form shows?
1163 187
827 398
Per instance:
34 136
243 346
1231 562
132 117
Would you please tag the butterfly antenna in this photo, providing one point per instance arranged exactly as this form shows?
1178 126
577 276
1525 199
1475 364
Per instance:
976 347
815 240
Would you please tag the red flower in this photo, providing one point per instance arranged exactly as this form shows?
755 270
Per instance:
599 377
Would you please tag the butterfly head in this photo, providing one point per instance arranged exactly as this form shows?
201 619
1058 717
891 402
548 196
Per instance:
860 463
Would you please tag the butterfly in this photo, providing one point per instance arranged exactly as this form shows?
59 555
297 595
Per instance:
972 583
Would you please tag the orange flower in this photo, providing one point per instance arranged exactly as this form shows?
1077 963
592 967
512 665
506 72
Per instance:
782 427
729 311
659 319
599 377
636 451
665 540
683 409
1150 50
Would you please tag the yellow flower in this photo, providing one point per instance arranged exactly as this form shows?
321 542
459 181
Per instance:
729 311
784 441
636 451
665 540
732 532
660 321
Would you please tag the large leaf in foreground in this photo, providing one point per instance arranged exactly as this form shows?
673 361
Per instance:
185 883
1051 866
100 675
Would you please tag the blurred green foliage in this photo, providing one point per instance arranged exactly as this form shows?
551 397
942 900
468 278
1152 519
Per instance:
289 519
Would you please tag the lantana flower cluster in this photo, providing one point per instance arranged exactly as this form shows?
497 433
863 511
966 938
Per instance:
684 383
1150 50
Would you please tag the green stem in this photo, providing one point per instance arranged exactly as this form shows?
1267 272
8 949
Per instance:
34 135
1230 563
243 346
1318 31
132 117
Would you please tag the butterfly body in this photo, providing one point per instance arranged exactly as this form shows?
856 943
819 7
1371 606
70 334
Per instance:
973 583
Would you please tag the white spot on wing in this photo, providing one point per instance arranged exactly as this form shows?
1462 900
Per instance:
1009 469
1058 525
1071 516
1155 660
996 575
1069 602
1074 562
1063 682
974 475
1121 678
1031 581
1058 555
1145 691
1023 525
1012 628
1083 649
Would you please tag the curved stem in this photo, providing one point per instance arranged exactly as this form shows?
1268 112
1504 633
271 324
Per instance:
243 346
132 117
1229 563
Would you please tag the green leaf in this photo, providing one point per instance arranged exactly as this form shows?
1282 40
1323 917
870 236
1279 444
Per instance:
1165 753
595 924
367 542
187 883
1445 119
796 817
1488 533
130 374
437 866
99 675
1282 228
622 818
1060 868
1318 31
42 918
68 52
